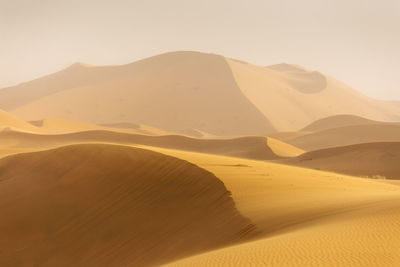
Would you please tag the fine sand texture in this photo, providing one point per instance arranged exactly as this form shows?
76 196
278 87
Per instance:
104 205
307 217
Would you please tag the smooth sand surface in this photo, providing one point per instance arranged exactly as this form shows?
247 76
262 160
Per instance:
292 97
375 160
105 205
283 149
174 92
8 121
190 90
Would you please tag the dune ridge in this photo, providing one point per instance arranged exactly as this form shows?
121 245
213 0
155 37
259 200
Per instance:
129 206
255 147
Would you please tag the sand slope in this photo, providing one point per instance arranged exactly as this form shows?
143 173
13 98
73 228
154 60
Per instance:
292 97
174 91
308 217
8 121
370 159
368 237
255 147
102 205
189 90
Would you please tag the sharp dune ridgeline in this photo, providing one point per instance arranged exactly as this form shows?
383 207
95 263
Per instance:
194 159
104 205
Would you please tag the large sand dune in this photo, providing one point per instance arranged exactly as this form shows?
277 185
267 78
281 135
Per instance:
175 91
379 160
292 97
189 90
103 205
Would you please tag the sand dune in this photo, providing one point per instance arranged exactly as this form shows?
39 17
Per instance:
338 121
60 126
174 92
307 217
348 135
367 237
255 147
8 121
189 90
129 207
292 97
282 149
379 160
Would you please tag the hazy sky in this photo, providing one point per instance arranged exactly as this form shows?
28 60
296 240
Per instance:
356 41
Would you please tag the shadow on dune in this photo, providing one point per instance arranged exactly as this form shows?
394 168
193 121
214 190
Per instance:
106 205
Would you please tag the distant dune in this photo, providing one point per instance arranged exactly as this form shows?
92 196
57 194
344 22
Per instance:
174 92
374 160
8 121
254 147
103 205
292 97
348 135
189 90
338 121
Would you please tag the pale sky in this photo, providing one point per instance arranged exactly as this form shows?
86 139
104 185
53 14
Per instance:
355 41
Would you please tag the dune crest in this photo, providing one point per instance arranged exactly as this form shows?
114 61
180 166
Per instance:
129 207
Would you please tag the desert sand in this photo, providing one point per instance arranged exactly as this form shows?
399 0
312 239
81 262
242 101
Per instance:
217 162
103 205
191 90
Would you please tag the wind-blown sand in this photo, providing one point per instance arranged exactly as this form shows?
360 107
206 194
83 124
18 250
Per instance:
103 205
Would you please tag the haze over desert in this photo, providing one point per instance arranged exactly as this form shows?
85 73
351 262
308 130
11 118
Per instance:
166 149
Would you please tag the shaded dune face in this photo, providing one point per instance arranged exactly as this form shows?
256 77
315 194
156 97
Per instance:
104 205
